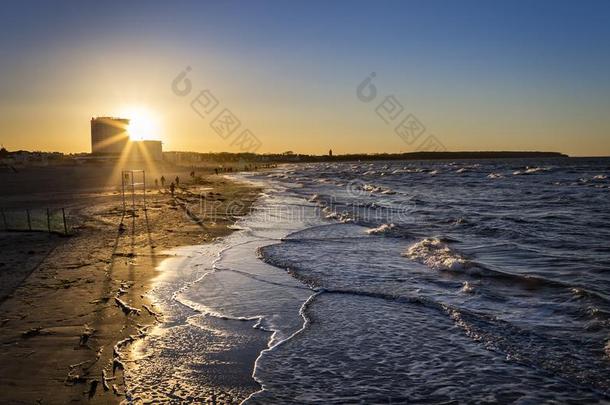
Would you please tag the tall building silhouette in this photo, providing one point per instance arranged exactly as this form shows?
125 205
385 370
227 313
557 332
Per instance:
109 135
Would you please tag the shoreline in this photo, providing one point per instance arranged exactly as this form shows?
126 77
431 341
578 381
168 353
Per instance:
63 328
217 329
226 348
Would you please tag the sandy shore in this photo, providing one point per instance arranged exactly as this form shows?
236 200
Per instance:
69 303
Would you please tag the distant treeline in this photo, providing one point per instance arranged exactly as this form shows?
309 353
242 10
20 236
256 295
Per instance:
193 157
7 157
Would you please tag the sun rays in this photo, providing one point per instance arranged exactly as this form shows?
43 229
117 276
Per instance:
143 148
143 123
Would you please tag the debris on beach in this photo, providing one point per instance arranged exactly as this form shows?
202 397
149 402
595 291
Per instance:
116 391
121 343
73 379
105 380
157 315
124 287
84 337
126 308
117 364
82 363
34 332
92 388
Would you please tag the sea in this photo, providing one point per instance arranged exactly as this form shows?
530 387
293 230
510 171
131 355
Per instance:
391 282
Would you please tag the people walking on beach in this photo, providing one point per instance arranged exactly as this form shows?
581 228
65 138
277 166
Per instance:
157 183
177 180
162 181
172 188
216 171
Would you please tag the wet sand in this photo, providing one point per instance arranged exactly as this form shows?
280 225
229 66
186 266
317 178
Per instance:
210 361
81 300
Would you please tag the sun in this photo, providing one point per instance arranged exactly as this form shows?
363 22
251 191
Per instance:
143 124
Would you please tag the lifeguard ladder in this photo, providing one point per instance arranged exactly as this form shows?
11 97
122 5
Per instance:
128 181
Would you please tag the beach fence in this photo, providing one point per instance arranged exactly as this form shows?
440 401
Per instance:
51 220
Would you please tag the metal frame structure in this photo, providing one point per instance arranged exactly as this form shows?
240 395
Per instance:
128 179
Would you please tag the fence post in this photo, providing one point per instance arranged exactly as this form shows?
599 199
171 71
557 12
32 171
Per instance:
29 219
4 220
63 214
123 188
48 221
133 195
144 181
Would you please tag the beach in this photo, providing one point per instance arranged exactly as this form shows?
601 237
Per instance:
393 282
375 282
72 305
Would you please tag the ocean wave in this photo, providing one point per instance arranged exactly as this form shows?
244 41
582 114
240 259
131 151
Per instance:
531 170
382 229
371 188
436 254
600 178
339 216
531 306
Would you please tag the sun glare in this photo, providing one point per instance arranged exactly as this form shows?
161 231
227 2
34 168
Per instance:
143 124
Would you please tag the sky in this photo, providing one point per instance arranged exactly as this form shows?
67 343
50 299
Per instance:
475 75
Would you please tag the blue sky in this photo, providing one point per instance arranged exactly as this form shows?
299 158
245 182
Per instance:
480 74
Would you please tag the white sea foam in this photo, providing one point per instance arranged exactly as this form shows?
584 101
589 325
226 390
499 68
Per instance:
467 288
383 229
339 216
436 255
373 189
531 170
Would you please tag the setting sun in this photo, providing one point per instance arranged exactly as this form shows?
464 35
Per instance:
143 124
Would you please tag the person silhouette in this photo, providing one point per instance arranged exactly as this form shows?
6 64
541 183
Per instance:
162 181
172 188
